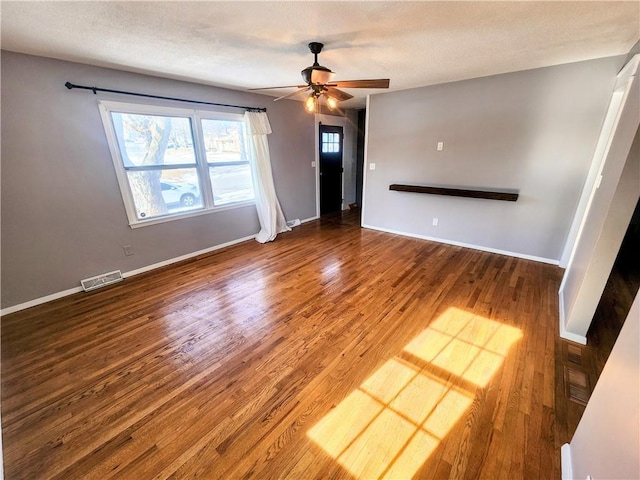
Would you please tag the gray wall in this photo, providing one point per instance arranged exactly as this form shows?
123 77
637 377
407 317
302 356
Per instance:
533 131
63 217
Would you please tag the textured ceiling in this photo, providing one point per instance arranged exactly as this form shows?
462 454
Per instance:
244 45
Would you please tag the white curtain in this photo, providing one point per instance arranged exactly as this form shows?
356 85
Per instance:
270 214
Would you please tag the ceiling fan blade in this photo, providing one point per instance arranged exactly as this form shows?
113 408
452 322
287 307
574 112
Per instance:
338 94
289 95
378 83
273 88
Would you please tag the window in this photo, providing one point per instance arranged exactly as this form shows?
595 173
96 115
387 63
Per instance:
227 160
330 142
175 163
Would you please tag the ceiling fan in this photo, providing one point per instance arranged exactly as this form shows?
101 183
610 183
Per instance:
319 84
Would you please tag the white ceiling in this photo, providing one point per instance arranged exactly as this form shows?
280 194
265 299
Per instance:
242 45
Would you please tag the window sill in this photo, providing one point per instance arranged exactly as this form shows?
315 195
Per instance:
195 213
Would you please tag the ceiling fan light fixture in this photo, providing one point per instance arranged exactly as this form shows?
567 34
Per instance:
311 103
332 103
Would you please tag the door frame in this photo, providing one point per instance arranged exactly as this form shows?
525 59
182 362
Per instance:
347 151
331 168
597 231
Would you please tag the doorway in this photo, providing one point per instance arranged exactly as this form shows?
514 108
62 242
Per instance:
331 140
362 118
621 289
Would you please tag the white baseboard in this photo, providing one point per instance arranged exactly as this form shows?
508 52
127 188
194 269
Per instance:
39 301
565 462
71 291
185 257
466 245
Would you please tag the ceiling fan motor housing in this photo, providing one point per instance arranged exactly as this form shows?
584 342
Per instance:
316 74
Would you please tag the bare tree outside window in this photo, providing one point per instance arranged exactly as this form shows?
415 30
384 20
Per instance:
173 162
155 141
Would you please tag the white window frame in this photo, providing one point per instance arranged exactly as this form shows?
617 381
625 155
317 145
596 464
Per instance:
201 164
332 142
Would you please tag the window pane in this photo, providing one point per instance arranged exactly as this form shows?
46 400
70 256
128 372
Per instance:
224 141
153 139
162 192
231 184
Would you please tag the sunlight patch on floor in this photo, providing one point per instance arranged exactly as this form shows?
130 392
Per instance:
390 425
469 346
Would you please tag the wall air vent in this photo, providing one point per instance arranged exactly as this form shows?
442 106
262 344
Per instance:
92 283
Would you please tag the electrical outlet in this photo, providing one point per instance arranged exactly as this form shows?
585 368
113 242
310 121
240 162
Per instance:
372 166
440 146
313 164
128 250
434 222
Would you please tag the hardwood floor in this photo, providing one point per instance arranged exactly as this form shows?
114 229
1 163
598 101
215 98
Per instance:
333 352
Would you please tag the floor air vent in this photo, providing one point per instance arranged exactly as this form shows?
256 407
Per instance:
92 283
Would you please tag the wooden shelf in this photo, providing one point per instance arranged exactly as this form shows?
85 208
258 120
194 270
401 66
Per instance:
456 192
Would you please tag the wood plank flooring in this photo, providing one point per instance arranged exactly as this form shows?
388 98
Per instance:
333 352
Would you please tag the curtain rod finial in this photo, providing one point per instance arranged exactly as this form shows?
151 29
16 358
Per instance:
69 85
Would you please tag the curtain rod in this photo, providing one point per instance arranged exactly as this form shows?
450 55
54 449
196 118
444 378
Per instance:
70 86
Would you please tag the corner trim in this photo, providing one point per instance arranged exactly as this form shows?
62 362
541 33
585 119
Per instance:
466 245
565 462
71 291
572 337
